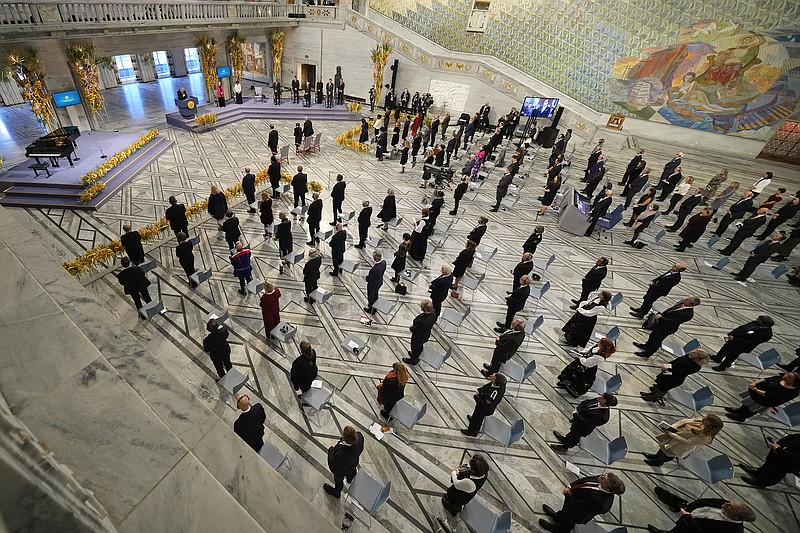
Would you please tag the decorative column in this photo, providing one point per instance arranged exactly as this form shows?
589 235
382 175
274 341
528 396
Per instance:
146 67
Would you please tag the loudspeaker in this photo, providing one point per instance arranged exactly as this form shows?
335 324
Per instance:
557 117
547 137
394 69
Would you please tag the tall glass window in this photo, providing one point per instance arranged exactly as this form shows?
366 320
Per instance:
162 64
125 68
192 60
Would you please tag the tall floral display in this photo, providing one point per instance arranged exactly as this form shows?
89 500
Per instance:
234 43
276 40
207 50
83 62
379 57
25 68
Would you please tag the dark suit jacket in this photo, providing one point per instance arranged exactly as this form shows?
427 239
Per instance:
343 459
489 397
690 203
364 217
750 335
589 415
503 184
421 327
739 208
688 524
133 279
314 213
300 183
583 504
634 162
523 268
216 342
311 269
670 167
518 298
250 426
477 233
460 190
132 241
308 128
764 250
507 344
249 183
440 287
338 242
272 140
337 192
663 284
594 277
750 225
176 214
231 229
375 277
673 317
601 208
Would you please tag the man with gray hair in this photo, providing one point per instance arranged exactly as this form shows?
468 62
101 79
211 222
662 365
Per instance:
311 273
667 323
705 514
374 281
505 346
420 331
440 288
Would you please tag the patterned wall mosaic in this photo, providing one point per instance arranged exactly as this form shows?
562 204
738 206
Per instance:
573 45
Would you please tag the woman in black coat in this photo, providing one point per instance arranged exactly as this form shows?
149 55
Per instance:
673 374
388 209
404 156
364 137
304 368
694 229
419 237
399 263
283 234
274 173
392 388
578 329
436 208
550 190
395 134
533 240
462 262
298 136
217 205
265 213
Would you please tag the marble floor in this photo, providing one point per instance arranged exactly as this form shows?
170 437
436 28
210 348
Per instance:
527 474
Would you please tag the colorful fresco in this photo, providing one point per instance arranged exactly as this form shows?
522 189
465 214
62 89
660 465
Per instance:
717 77
255 58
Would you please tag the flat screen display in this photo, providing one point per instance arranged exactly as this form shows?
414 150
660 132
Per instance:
66 98
529 106
582 203
225 72
546 108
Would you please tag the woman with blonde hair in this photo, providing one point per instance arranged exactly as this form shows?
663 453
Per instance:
217 205
674 373
578 376
684 438
679 192
392 388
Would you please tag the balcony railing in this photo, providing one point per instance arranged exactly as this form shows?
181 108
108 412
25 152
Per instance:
30 16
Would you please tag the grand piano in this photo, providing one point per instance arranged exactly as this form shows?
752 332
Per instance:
56 144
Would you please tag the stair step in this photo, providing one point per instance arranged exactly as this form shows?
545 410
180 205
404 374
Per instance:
35 190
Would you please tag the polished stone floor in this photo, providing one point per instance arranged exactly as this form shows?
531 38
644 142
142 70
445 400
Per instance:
526 475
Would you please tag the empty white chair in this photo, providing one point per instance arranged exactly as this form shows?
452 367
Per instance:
517 372
480 519
407 413
454 317
353 344
710 242
763 360
693 400
611 334
151 309
434 358
603 450
367 493
537 293
679 350
484 258
199 276
614 302
255 286
472 283
320 295
317 398
606 382
532 325
711 470
283 332
273 456
503 432
543 264
348 266
653 238
719 265
789 415
778 271
147 266
233 381
384 306
217 314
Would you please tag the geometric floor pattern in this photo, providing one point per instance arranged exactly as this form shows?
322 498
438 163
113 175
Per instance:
526 475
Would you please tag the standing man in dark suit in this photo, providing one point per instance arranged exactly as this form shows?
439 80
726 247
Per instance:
440 288
592 280
134 282
337 197
308 128
516 302
250 424
434 128
589 415
523 268
311 274
295 91
300 186
667 323
319 88
272 139
746 230
487 398
337 244
658 288
599 210
215 344
636 182
340 94
735 212
459 192
502 189
783 458
364 218
670 167
445 124
343 460
176 215
708 515
314 218
632 165
686 208
505 346
478 231
277 91
374 281
785 213
249 189
420 331
329 93
132 242
232 230
584 499
186 256
758 255
743 339
668 184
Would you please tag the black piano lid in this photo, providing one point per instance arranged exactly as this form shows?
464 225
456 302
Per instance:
66 131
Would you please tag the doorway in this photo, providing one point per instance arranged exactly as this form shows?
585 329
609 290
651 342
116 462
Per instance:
125 70
308 73
162 64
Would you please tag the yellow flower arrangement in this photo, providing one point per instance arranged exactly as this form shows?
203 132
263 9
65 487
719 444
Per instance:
207 50
379 58
91 177
205 120
234 43
91 191
101 254
276 40
83 62
346 140
26 69
355 107
315 186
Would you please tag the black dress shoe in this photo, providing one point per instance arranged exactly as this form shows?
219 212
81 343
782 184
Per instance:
549 526
486 373
573 306
487 367
468 434
735 416
639 345
469 418
559 436
331 490
747 468
500 324
409 361
305 299
653 529
559 448
753 481
549 511
642 354
576 302
732 409
719 368
500 330
311 243
636 314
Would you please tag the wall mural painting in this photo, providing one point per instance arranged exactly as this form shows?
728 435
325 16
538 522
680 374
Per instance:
717 77
255 58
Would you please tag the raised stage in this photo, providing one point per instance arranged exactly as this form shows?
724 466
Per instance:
62 189
254 108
